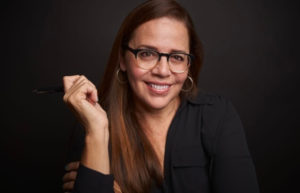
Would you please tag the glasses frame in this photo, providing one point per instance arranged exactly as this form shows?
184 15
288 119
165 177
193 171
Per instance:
167 55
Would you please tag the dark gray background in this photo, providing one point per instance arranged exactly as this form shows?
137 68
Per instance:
251 53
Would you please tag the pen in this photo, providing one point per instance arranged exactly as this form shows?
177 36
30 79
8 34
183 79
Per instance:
49 90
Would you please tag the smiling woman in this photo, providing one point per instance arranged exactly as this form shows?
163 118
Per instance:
147 129
154 84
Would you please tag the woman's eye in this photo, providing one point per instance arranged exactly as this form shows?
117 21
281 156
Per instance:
177 57
145 54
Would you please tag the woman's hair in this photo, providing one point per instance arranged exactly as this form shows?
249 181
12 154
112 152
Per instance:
134 163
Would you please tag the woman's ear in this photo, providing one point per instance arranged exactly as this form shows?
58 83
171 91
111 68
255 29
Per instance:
122 63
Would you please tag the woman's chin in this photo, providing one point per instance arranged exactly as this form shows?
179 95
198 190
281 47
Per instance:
160 103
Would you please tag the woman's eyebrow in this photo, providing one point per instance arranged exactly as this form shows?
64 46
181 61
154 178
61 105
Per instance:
179 51
147 47
154 48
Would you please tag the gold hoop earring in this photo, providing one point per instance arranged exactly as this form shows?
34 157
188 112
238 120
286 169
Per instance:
191 87
119 80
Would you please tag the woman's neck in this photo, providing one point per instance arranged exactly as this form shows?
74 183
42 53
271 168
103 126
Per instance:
156 120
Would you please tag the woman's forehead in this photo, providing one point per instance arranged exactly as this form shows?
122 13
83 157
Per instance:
163 33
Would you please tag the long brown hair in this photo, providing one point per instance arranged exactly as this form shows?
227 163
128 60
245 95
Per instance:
134 163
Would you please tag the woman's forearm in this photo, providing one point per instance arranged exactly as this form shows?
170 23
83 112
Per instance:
95 154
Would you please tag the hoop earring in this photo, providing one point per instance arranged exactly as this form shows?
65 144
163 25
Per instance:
119 80
190 88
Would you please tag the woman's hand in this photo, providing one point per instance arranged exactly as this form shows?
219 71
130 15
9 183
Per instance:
82 97
70 176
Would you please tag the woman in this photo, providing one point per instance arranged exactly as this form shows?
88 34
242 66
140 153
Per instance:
148 130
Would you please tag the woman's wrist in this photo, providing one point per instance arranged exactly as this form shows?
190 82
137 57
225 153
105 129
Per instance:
95 154
97 135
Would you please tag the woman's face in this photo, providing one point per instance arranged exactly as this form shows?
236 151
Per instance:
159 87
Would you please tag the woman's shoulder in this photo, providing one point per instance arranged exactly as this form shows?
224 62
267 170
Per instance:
213 106
208 98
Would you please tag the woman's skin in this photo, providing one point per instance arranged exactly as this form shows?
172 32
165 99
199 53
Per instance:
155 91
70 176
82 98
157 106
164 35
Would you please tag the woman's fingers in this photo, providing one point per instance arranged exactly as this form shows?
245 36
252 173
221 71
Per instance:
69 176
82 89
86 90
82 97
68 185
68 81
72 166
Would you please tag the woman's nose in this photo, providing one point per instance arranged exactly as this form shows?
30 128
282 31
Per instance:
162 67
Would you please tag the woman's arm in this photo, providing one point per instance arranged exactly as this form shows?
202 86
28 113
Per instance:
74 153
93 172
233 169
70 177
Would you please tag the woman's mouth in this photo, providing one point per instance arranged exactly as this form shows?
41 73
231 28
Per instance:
158 88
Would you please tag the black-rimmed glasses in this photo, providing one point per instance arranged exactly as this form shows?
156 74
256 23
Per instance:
147 59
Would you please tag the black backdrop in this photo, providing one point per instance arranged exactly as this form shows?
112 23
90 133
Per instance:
251 53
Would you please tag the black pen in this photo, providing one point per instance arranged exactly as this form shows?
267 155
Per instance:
49 90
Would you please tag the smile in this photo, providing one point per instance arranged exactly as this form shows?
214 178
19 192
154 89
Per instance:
159 88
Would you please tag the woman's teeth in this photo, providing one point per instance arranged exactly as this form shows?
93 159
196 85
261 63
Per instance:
159 87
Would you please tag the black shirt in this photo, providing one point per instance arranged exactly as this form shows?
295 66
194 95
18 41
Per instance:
206 152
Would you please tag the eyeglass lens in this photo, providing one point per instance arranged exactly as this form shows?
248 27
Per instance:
178 62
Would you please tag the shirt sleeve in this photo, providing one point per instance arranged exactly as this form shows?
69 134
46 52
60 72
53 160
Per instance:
91 181
233 170
87 180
